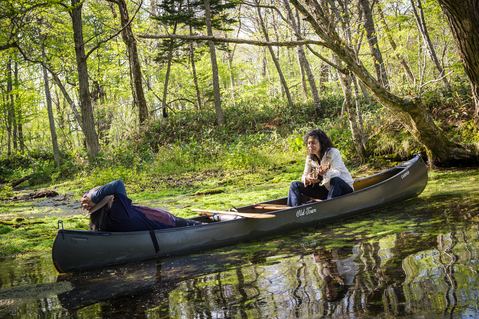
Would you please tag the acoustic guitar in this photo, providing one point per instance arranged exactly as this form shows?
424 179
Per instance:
316 171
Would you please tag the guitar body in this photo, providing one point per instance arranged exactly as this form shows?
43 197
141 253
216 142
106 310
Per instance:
317 172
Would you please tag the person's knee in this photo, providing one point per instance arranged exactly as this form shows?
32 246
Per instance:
336 181
295 185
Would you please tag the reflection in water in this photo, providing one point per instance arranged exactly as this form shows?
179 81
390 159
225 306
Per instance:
401 274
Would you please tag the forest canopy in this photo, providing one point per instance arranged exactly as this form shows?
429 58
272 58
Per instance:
82 79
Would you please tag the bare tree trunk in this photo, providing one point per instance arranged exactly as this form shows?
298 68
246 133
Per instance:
304 88
214 65
303 60
135 66
13 113
69 100
193 68
167 76
345 81
421 24
51 120
323 77
401 60
365 94
88 123
154 7
463 20
284 85
19 113
10 107
373 43
359 111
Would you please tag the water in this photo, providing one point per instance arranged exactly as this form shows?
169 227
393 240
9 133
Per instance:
416 259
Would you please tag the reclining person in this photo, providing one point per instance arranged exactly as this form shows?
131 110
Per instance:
110 209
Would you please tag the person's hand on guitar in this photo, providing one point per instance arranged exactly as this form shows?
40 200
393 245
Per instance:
323 169
312 178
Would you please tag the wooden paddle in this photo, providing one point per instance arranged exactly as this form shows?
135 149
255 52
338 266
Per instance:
271 206
245 215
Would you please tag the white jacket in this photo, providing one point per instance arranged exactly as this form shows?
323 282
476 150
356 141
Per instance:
337 168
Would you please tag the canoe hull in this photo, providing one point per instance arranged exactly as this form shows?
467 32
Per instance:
76 250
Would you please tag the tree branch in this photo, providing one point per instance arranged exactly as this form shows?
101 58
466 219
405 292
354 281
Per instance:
436 80
337 67
8 46
230 40
114 35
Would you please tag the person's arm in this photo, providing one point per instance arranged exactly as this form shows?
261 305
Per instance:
108 189
307 170
335 165
89 200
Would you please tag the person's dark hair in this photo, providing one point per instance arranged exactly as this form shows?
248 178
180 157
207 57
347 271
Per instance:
98 218
324 141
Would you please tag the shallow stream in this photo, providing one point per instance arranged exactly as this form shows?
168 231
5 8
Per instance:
419 258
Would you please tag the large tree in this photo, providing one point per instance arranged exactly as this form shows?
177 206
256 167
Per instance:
410 112
463 19
135 66
91 137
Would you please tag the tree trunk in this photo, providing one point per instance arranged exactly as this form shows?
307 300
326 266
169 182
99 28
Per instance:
284 85
304 87
9 105
365 93
421 24
303 60
13 113
167 77
214 65
51 120
371 35
401 60
154 8
135 66
359 112
323 77
230 54
19 113
463 19
88 124
69 100
195 77
410 112
345 81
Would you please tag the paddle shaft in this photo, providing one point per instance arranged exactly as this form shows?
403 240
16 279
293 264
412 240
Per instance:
270 206
245 215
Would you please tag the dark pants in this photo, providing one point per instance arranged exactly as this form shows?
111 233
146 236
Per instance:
182 222
337 187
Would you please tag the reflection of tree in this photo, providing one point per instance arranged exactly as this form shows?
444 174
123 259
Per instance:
296 294
446 243
402 274
444 278
379 291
